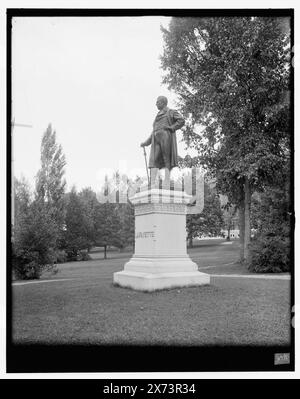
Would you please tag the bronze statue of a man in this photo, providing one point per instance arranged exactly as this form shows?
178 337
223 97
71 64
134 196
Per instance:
163 153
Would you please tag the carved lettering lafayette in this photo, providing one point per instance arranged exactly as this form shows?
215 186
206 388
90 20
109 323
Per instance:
145 234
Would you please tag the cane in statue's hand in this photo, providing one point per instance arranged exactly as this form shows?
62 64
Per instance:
145 155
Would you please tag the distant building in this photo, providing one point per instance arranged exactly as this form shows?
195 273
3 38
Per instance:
233 229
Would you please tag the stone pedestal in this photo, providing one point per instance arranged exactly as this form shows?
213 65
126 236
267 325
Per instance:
160 259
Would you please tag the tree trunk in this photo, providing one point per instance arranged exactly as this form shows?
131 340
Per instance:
242 229
105 257
247 235
228 233
191 242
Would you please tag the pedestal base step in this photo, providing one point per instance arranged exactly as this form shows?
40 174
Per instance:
158 281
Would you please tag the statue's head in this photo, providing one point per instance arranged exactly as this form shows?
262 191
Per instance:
161 102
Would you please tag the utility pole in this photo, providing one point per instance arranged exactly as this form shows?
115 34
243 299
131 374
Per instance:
13 125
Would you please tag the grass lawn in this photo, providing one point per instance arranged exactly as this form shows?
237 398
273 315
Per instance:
85 308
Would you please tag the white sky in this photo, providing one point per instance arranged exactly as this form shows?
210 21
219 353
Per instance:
96 81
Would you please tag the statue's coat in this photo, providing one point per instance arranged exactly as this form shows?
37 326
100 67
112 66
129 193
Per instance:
169 120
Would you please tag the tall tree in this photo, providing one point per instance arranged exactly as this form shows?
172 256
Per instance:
40 221
89 201
22 198
232 77
107 226
50 182
115 220
76 226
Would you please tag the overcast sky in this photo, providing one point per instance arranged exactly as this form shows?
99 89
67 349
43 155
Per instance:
96 81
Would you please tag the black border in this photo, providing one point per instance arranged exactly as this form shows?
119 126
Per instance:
75 358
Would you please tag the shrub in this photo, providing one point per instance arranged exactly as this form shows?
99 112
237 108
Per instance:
269 254
35 242
28 265
74 255
25 265
71 255
61 256
83 256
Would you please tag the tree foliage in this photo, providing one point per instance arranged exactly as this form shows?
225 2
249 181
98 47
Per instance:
115 220
34 244
272 220
50 182
89 202
126 218
232 78
210 222
107 225
76 234
39 218
90 222
52 226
